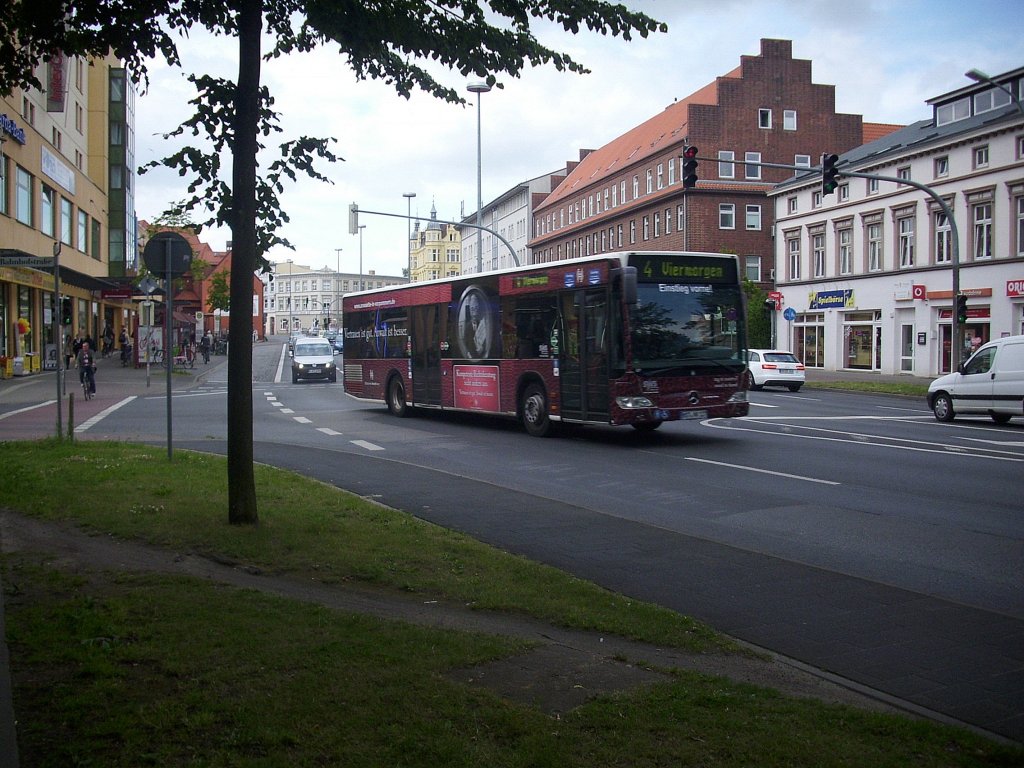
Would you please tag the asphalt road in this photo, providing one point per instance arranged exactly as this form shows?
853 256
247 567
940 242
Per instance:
850 532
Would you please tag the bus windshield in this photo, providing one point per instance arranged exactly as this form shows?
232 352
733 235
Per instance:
686 325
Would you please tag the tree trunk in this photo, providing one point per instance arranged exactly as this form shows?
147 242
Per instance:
241 479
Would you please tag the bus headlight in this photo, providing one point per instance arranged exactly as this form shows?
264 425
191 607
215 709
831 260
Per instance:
636 401
740 396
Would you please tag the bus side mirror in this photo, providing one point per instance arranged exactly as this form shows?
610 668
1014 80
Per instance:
629 295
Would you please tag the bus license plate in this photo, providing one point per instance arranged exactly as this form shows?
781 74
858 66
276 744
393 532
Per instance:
693 415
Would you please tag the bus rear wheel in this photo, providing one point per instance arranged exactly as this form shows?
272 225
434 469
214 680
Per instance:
533 410
396 398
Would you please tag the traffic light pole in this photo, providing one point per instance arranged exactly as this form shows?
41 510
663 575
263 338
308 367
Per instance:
954 347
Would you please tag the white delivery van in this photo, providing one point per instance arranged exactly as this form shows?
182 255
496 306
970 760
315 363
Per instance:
991 382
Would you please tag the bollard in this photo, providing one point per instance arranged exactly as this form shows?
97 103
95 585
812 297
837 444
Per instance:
71 416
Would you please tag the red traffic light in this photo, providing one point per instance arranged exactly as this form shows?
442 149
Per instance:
689 152
689 167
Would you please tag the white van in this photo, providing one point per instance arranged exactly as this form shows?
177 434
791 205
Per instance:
991 382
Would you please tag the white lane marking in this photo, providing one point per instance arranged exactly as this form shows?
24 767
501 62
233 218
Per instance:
277 403
102 415
287 410
27 408
280 363
876 441
327 431
302 420
366 445
764 471
764 405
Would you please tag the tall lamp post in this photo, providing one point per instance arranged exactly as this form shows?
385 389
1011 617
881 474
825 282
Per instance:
361 228
291 326
337 286
408 228
479 87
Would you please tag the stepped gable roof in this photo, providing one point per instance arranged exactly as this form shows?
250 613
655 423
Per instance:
652 136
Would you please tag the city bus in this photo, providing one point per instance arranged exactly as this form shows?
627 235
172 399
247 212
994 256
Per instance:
637 338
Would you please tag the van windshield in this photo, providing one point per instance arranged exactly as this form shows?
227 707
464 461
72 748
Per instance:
314 349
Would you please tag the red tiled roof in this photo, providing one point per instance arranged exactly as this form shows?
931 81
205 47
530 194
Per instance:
874 131
664 129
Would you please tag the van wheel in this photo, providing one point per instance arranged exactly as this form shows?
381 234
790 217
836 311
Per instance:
1000 418
533 411
396 398
942 407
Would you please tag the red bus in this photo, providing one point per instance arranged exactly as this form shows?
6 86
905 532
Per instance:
635 338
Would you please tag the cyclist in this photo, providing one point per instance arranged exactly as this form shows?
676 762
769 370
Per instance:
87 366
204 347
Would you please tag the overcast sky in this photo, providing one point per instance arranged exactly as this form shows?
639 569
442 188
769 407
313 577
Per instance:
884 58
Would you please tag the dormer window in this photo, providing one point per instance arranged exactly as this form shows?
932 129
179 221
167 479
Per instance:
950 113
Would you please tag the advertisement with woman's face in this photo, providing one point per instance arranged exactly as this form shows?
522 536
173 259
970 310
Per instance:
476 324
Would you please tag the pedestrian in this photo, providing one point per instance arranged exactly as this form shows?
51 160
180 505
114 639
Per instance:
69 351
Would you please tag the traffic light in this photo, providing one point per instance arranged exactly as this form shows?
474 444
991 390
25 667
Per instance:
829 173
65 311
961 308
353 219
689 167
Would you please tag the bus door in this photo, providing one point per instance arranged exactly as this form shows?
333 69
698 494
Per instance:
426 354
583 368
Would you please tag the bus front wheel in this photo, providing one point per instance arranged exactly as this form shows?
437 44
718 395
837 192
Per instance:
534 411
396 398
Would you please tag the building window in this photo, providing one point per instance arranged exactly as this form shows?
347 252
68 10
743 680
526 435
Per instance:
83 231
950 113
991 99
874 243
650 181
982 215
981 157
764 118
668 221
622 192
615 195
941 167
636 187
680 218
943 239
647 227
726 169
905 230
1019 200
754 217
4 194
789 119
657 225
816 199
618 236
671 171
753 171
79 118
804 161
872 186
607 198
117 85
791 204
47 211
793 249
752 268
726 216
1020 145
23 196
844 193
66 221
844 237
632 231
903 173
661 175
818 249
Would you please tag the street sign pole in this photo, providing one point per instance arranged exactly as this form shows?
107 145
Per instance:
58 337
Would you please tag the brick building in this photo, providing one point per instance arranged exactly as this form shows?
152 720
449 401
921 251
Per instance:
628 194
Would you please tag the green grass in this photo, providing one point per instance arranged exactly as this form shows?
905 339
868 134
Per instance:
124 669
909 389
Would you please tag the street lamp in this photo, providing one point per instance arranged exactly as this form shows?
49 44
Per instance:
980 77
361 228
337 284
479 87
290 325
408 228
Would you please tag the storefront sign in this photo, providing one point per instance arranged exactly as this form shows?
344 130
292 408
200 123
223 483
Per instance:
476 387
58 170
1015 287
920 292
56 90
830 299
12 129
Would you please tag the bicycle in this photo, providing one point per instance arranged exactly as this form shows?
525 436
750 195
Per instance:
88 377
